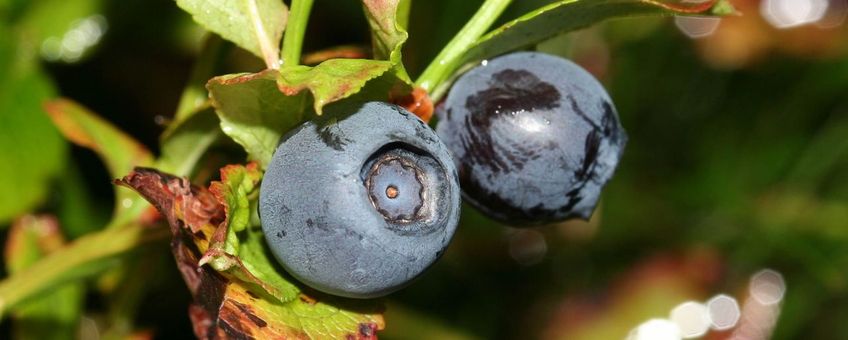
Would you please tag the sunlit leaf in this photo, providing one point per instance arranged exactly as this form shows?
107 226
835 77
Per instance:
257 109
255 25
337 79
304 317
253 111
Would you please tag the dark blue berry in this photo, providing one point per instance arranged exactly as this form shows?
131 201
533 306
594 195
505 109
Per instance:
535 138
361 201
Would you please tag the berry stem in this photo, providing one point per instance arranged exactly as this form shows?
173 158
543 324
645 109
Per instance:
295 30
448 59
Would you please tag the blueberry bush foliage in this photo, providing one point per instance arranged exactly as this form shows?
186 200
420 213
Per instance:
193 199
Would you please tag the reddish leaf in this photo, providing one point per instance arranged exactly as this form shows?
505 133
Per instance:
235 302
339 52
118 150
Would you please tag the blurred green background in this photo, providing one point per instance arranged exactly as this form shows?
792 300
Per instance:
737 162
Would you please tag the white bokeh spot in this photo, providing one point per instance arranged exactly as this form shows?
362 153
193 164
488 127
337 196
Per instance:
767 287
692 318
697 27
723 312
793 13
656 329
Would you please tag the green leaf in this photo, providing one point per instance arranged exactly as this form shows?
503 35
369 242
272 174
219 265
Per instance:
253 112
31 149
255 25
570 15
187 140
723 7
337 79
242 248
236 184
304 317
54 315
238 192
257 109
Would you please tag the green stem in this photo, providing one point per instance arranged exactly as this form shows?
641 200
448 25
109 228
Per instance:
449 58
194 95
295 30
87 256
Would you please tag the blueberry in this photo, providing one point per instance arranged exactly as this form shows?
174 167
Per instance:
361 201
535 138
